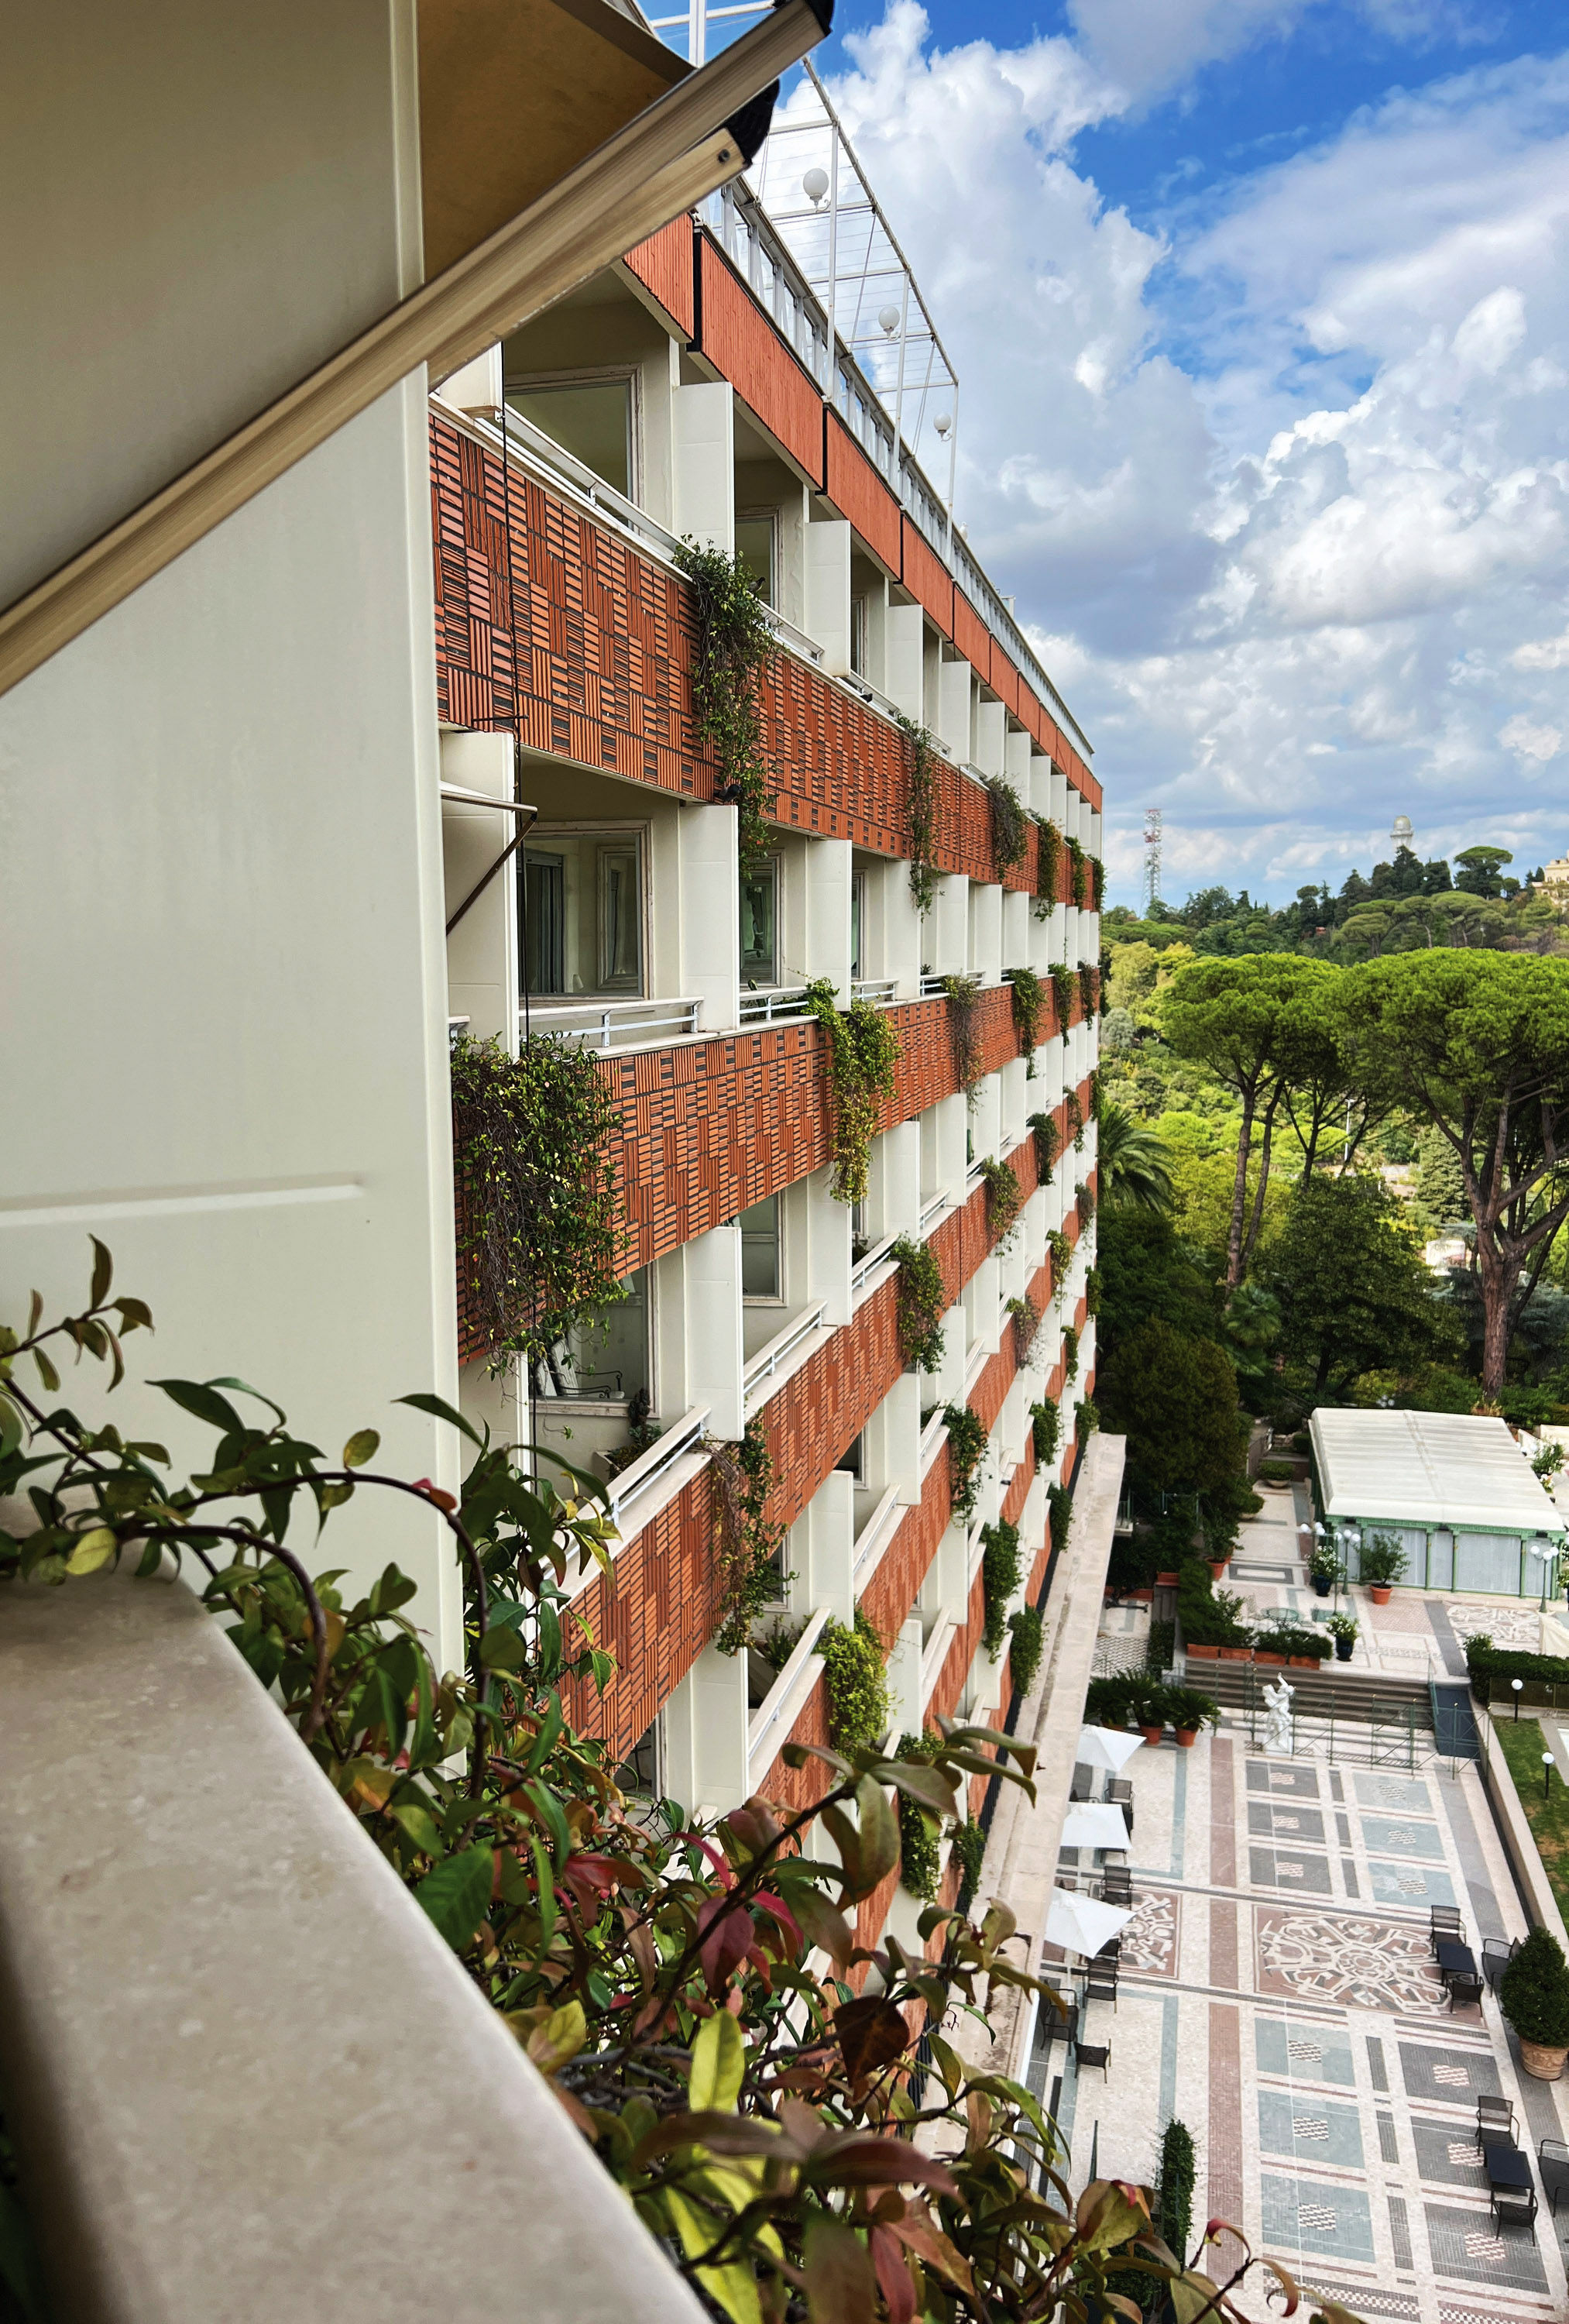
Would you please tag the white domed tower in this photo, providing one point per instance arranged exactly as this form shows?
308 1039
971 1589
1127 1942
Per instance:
1401 834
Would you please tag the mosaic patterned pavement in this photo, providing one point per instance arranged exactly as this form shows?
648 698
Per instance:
1278 1994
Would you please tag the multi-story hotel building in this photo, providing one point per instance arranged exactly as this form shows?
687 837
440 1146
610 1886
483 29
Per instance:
695 390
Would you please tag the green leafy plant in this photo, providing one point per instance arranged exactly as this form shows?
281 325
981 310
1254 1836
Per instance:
1059 1514
1286 1638
749 1545
1026 1320
1382 1560
1004 1199
1073 1107
963 1000
1342 1626
1160 1646
863 1050
1064 985
1029 999
1547 1462
921 779
1046 1431
1069 1352
967 1444
1084 1202
662 1973
1175 2196
1492 1667
970 1848
920 1832
1088 1416
733 645
855 1680
1048 865
1010 824
1026 1643
1088 988
538 1232
1098 882
1060 1252
1533 1991
1083 890
919 1298
1092 1291
1002 1571
1186 1707
1048 1144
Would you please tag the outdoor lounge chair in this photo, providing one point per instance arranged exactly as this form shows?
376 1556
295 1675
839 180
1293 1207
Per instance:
1466 1990
1093 2053
1553 2162
1515 2207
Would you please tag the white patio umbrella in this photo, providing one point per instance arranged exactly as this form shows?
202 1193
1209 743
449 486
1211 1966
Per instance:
1106 1747
1082 1924
1095 1823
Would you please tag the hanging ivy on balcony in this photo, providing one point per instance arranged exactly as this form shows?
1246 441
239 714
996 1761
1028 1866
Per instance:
967 1444
1061 1254
1092 1291
1058 1515
1074 1108
1029 999
734 644
1088 1416
1093 1079
1097 880
855 1682
970 1848
920 1840
1046 1433
1027 1639
1010 824
863 1049
1084 1202
1064 988
1004 1199
749 1545
1002 1571
1048 865
921 793
1080 877
1048 1144
1070 1353
920 1299
1088 988
537 1239
963 999
1026 1318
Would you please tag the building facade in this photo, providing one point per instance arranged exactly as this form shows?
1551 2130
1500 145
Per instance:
695 393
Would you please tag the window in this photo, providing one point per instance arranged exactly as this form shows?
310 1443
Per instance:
854 1458
760 926
582 912
857 925
755 547
857 637
761 1276
590 418
860 1230
640 1773
605 1357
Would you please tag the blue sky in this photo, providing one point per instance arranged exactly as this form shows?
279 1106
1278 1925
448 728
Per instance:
1262 318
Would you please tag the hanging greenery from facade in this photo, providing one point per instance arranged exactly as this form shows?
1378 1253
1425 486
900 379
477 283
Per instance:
963 998
1026 1640
855 1682
1098 882
1046 1433
1026 1318
921 778
1070 1352
1048 1144
967 1444
537 1242
1074 1109
1092 1291
1082 890
1061 1254
970 1848
1059 1515
863 1049
1088 988
1084 1204
749 1545
920 1833
1002 1571
1010 824
1048 865
734 643
1064 985
1004 1200
1029 999
920 1299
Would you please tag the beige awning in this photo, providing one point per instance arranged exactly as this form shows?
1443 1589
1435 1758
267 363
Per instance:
685 139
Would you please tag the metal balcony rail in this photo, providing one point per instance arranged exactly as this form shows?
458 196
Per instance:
559 468
865 1268
874 1537
933 987
796 639
932 1211
774 1006
744 232
609 1024
880 991
768 1360
678 1442
770 1724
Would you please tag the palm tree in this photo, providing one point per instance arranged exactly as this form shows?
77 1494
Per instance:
1133 1161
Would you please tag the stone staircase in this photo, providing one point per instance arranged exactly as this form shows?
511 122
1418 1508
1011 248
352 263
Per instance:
1336 1691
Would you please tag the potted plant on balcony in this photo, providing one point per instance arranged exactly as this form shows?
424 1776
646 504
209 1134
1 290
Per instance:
1383 1564
1188 1711
1150 1714
1342 1629
1533 1995
1324 1570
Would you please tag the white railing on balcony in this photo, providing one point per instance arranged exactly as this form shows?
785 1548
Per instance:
796 639
933 1210
771 1007
933 987
770 1724
769 1360
750 243
561 469
606 1024
874 1537
880 991
862 1272
679 1440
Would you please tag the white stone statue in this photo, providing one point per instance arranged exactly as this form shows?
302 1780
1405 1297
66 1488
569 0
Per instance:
1278 1720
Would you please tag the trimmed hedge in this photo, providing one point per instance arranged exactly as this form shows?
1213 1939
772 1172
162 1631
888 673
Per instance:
1486 1662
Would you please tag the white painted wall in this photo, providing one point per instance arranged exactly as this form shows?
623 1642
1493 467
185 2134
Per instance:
481 951
703 463
828 591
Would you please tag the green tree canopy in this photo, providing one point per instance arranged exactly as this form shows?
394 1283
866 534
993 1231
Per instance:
1133 1164
1174 1398
1146 1271
1353 1293
1477 1045
1440 1180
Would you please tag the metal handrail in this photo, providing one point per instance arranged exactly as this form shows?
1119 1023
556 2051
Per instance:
789 635
770 1007
678 1442
783 1345
880 991
868 1541
865 1268
933 1210
766 1717
609 1024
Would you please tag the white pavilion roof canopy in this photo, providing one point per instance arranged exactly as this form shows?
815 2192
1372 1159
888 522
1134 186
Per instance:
1433 1469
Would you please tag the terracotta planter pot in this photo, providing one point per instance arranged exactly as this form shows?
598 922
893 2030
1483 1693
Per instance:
1217 1566
1204 1653
1542 2063
1236 1654
1187 1737
1379 1591
1275 1661
1152 1735
1141 1596
1167 1581
1302 1661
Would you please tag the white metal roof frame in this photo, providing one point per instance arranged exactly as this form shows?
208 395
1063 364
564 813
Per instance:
1462 1471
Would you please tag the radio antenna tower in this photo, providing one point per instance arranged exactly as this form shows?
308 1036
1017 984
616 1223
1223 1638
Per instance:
1151 856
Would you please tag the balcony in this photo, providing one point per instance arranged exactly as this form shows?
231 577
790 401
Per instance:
612 1024
778 1005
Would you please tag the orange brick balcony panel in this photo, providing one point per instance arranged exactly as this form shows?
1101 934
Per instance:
1005 682
655 1617
902 1569
926 577
740 342
843 772
797 1787
665 265
859 494
971 635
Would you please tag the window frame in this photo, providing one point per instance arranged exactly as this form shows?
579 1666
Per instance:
775 873
594 375
543 834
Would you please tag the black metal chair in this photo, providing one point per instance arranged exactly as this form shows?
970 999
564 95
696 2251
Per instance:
1120 1792
1496 1957
1093 2053
1117 1885
1495 2121
1112 1950
1444 1925
1553 2162
1467 1990
1515 2207
1100 1983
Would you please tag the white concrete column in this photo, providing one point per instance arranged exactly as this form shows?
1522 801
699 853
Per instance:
482 952
708 914
1016 908
828 591
476 387
893 1182
897 928
986 931
1017 750
820 937
904 680
947 934
826 1558
824 1230
703 425
954 680
991 737
904 1677
1058 810
712 1265
705 1722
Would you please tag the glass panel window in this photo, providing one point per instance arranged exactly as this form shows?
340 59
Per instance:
754 548
759 926
590 419
857 637
857 925
605 1357
760 1271
854 1458
582 912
